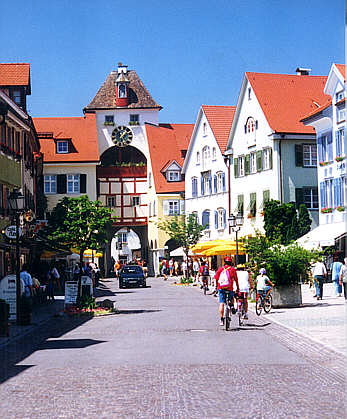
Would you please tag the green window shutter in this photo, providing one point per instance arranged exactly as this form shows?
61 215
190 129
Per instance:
270 158
83 183
299 155
266 196
299 196
253 203
259 160
240 204
61 184
236 167
247 163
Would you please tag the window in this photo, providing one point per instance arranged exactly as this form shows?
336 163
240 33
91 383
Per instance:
340 95
241 165
253 163
340 143
62 146
150 209
73 183
174 208
149 179
240 204
267 159
325 147
196 216
134 119
341 115
17 97
326 193
220 178
311 197
214 153
206 219
109 119
206 183
135 201
206 156
50 182
122 90
173 176
122 238
204 128
253 204
111 201
309 155
220 219
249 93
197 158
250 125
194 187
154 207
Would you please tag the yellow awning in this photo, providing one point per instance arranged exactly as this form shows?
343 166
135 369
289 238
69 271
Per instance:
206 245
227 249
92 252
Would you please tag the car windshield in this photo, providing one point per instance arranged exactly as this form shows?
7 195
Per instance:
132 269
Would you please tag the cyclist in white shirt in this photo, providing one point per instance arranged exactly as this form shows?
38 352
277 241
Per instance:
245 283
264 285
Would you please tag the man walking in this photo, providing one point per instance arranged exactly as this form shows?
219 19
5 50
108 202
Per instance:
319 273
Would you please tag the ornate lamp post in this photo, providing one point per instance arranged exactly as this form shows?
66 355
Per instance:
235 222
16 204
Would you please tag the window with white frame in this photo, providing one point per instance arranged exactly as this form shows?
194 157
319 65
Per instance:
341 114
340 143
174 207
206 219
194 187
150 209
253 163
50 182
241 165
173 175
198 157
73 183
220 182
250 125
221 214
340 95
154 207
214 153
122 238
204 128
135 201
62 147
267 158
149 179
206 156
310 155
311 197
111 201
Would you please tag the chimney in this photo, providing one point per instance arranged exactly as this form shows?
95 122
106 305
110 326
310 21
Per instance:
303 71
122 68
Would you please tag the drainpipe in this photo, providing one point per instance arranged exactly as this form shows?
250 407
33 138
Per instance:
227 162
281 176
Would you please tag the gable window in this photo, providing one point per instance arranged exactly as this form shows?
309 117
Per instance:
62 147
73 183
149 179
340 143
122 91
134 119
206 156
309 155
341 114
267 158
111 201
198 158
109 119
194 187
204 128
173 176
17 97
249 93
340 95
253 163
50 182
135 201
214 153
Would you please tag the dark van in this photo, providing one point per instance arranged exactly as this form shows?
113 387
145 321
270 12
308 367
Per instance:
132 275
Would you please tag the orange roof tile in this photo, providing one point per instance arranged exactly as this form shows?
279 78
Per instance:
342 70
165 144
285 99
318 110
80 130
220 119
14 74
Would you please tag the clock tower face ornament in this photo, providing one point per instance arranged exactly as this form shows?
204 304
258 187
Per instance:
122 136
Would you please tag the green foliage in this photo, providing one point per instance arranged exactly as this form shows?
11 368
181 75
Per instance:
185 230
282 224
285 265
87 301
79 223
188 280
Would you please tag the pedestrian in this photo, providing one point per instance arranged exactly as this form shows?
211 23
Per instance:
343 278
171 266
176 268
76 272
319 273
184 267
55 274
335 269
245 284
50 285
196 269
164 268
27 281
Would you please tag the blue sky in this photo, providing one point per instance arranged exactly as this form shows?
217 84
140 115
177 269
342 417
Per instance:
187 53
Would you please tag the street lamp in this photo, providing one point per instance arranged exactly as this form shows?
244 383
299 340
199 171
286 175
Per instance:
235 222
16 204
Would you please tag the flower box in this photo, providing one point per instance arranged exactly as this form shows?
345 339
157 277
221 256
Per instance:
340 158
324 163
340 208
326 210
134 123
109 124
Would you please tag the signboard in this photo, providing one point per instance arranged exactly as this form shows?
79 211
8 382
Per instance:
11 232
8 293
71 290
87 285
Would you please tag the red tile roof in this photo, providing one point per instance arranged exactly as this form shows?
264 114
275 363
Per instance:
285 99
318 110
165 144
80 130
220 119
342 70
14 74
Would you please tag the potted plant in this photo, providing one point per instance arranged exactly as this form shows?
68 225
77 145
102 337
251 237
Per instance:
326 210
340 208
340 158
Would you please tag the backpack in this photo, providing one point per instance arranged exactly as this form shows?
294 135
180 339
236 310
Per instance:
205 271
224 279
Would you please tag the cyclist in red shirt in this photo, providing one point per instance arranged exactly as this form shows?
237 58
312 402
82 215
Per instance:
223 291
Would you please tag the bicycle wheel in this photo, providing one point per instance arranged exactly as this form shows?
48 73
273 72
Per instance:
227 317
205 289
240 318
258 306
268 304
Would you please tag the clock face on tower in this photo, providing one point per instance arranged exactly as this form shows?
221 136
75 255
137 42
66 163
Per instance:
122 136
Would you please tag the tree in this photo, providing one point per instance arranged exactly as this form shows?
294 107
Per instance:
185 230
79 223
304 220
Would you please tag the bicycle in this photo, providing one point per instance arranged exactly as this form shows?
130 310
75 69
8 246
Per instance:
263 302
241 309
228 309
205 284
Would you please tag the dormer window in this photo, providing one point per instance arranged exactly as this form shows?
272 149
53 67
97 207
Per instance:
122 90
17 97
62 147
173 176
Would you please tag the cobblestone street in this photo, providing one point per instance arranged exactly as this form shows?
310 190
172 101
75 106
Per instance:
164 356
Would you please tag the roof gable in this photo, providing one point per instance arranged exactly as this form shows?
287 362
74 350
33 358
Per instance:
286 99
171 165
14 74
80 132
166 143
